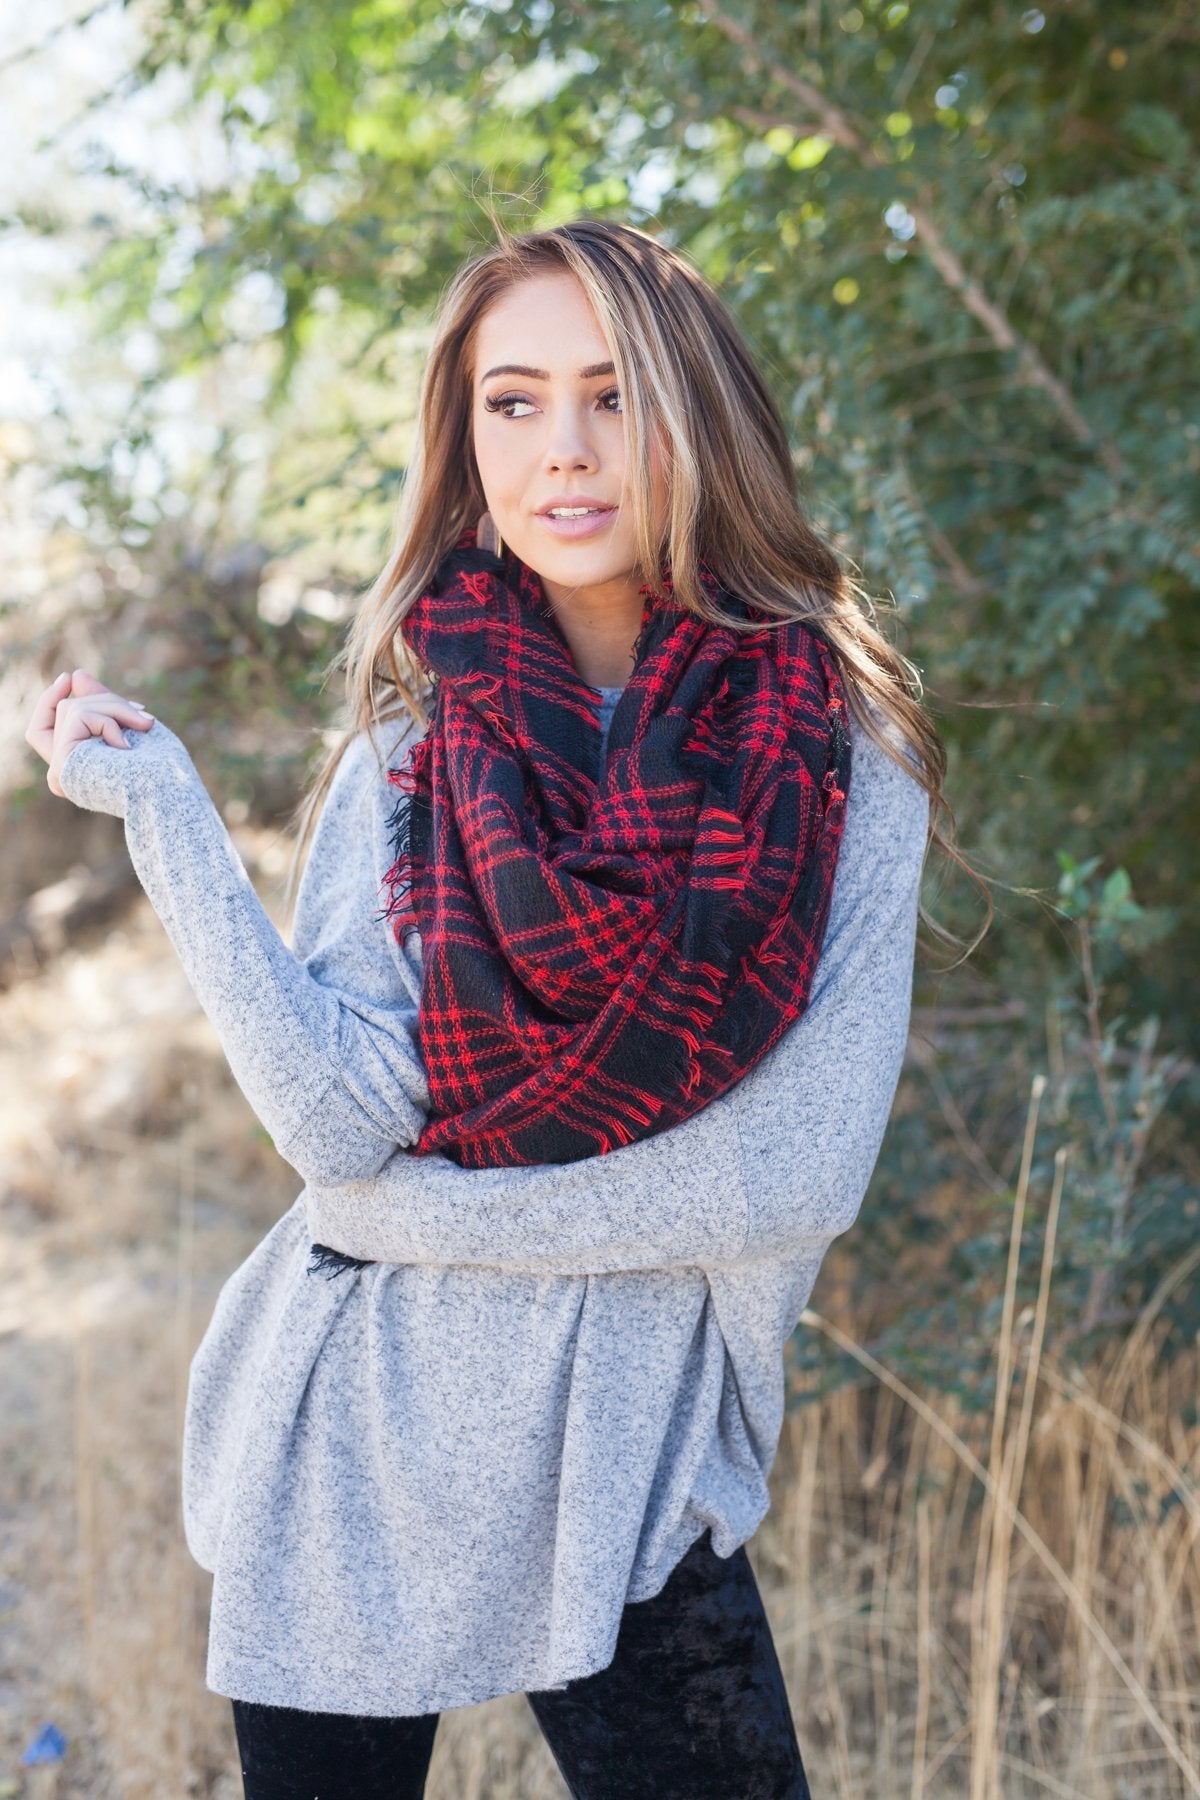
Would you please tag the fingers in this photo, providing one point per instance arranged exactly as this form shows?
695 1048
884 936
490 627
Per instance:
39 733
112 734
103 718
75 723
92 715
85 686
73 685
130 712
76 706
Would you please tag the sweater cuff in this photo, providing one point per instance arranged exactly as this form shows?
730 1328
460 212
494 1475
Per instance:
100 778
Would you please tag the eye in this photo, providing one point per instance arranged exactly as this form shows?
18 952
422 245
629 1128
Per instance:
613 394
501 403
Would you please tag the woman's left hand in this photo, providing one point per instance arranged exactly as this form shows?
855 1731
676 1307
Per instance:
76 706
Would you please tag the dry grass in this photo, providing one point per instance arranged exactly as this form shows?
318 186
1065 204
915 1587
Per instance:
1043 1644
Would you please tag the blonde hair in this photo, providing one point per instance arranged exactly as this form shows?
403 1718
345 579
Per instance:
689 387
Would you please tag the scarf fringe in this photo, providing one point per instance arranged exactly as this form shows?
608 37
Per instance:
333 1262
399 827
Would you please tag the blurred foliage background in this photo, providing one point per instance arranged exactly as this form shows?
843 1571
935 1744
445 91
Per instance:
963 239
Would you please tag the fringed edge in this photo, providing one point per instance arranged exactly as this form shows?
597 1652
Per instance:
836 781
333 1262
697 759
399 878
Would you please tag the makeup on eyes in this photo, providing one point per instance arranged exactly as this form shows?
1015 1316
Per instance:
495 403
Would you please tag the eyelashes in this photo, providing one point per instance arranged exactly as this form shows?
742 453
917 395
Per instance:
497 403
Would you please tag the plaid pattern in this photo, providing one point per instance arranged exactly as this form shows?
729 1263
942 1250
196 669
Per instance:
599 961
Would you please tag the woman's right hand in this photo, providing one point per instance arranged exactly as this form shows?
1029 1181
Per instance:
76 706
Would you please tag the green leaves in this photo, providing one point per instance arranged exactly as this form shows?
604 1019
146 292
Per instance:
963 246
1104 904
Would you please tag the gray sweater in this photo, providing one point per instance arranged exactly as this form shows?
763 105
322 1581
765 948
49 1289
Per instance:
440 1478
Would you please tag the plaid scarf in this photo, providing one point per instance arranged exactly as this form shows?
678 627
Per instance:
602 959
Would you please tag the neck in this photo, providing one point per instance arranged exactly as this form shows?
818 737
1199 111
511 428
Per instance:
600 625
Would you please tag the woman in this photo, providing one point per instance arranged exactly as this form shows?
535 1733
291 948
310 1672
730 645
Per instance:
613 930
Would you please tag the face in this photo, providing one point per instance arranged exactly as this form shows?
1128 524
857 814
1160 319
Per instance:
549 440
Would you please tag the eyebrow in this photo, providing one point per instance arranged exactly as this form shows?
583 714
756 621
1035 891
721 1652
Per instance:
588 374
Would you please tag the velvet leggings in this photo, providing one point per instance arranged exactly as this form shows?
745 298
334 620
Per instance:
692 1707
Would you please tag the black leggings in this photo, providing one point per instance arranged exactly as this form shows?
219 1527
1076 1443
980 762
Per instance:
692 1707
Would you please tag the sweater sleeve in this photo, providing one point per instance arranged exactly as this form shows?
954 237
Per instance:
780 1164
320 1036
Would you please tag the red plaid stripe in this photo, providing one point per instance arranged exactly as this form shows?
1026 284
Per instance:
600 960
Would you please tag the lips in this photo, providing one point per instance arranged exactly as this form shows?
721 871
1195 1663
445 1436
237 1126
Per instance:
597 517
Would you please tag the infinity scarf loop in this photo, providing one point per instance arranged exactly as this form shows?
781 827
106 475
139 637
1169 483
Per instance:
602 959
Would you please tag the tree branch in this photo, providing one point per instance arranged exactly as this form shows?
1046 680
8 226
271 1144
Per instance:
833 123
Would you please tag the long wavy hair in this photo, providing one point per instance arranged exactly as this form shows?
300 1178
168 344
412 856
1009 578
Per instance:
690 386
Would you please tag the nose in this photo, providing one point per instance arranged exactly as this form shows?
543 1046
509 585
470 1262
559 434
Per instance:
570 448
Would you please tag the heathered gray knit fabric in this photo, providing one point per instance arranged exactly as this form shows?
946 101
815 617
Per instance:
440 1478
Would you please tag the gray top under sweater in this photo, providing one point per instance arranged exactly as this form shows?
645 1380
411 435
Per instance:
440 1478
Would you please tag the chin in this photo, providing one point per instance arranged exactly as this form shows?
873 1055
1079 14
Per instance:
567 567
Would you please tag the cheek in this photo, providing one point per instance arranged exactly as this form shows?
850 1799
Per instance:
483 441
501 458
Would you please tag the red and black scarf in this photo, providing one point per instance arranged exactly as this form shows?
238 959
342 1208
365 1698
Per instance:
602 959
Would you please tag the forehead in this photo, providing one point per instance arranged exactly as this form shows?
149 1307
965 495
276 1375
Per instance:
546 321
